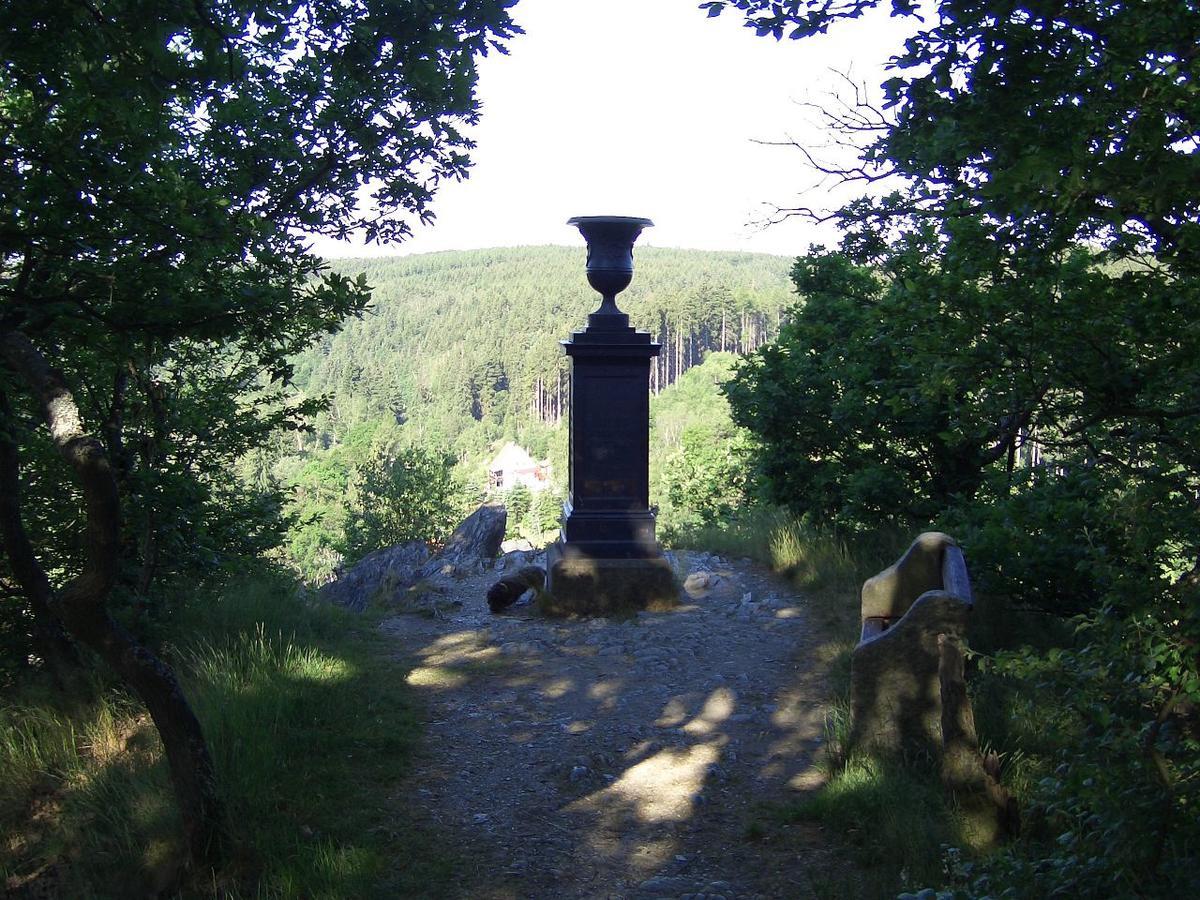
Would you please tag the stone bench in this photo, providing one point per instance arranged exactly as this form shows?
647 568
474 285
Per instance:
895 696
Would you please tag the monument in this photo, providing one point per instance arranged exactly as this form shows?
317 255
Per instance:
607 559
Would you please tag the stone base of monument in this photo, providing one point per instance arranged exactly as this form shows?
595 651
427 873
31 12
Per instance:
583 585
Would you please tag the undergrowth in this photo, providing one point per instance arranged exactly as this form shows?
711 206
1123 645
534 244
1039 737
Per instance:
1099 754
310 729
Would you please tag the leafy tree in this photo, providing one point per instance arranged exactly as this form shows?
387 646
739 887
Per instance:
1031 286
412 496
319 514
700 463
165 164
1008 343
706 480
518 500
545 512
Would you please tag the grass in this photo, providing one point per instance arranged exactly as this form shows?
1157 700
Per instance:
310 728
825 565
828 568
892 818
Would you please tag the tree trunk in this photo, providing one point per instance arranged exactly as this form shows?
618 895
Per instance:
678 354
50 641
80 604
151 453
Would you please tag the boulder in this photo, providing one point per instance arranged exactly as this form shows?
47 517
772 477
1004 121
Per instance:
379 577
519 559
472 547
406 577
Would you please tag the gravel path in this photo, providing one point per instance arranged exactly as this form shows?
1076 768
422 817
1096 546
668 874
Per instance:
622 759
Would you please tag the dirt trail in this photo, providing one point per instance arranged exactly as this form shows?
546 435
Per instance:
621 759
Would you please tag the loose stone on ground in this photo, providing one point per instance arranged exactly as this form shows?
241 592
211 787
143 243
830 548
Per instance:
618 758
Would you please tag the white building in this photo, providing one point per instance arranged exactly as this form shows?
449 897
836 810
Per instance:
513 466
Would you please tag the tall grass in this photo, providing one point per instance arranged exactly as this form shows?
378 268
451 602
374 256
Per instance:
310 730
891 819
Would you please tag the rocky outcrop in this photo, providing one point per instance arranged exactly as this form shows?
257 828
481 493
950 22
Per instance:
473 546
406 577
378 578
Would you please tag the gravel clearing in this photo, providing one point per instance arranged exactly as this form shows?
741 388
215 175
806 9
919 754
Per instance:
622 758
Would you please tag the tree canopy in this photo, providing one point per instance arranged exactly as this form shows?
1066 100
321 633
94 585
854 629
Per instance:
165 164
1006 345
1030 289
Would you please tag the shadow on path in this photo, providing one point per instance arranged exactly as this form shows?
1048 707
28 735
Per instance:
600 758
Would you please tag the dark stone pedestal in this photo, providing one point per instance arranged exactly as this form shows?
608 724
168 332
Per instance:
608 561
582 584
607 513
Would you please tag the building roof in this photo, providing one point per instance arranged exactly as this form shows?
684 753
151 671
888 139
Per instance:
511 458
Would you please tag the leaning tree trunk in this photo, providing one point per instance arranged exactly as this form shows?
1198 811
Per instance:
81 604
50 641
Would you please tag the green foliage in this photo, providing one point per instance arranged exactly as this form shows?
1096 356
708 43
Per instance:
701 467
1007 346
545 512
371 491
891 819
430 354
305 729
1098 102
706 480
410 497
1113 775
827 566
167 164
518 501
429 368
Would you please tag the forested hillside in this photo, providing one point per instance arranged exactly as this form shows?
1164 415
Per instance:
459 352
463 346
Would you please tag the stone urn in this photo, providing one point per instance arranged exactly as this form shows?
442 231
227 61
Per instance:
610 241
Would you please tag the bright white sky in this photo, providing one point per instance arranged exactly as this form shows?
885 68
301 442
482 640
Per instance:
647 108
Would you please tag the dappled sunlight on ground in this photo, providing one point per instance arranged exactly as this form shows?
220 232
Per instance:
659 789
717 708
585 758
437 677
557 687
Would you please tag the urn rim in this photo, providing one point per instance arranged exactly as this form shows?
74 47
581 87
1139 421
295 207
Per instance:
609 220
